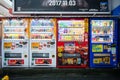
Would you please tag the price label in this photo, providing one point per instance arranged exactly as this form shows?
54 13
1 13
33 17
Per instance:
35 45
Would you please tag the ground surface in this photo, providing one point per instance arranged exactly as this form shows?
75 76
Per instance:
62 74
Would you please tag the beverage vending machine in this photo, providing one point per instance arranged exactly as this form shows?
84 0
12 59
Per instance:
42 42
72 43
103 42
15 44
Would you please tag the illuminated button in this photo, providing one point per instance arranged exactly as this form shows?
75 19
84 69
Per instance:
5 59
59 54
32 59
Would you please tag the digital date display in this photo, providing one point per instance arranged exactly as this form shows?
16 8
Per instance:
62 3
60 6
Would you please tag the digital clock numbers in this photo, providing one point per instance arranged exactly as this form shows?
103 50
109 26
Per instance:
62 3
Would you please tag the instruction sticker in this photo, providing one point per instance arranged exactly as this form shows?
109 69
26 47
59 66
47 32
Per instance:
97 48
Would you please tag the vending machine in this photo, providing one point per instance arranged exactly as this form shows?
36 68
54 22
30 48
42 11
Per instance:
42 42
103 42
72 43
15 43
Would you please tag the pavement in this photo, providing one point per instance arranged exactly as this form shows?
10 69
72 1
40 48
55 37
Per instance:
62 74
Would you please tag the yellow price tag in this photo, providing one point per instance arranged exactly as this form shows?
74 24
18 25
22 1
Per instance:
35 45
7 44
